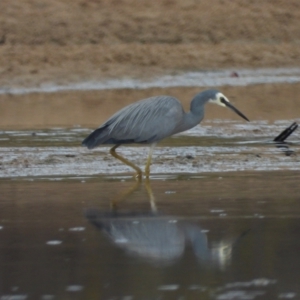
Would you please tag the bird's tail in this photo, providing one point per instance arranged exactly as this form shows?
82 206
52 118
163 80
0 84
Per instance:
97 137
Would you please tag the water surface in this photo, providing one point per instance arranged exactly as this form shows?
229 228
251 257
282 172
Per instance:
233 236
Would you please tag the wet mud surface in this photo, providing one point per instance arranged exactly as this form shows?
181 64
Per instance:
216 146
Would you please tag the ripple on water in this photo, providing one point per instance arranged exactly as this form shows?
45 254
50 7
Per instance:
74 288
169 287
54 243
241 295
77 229
14 297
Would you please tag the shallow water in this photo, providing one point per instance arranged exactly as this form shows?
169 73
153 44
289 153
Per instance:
234 236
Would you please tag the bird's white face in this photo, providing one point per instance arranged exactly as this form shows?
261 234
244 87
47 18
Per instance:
219 99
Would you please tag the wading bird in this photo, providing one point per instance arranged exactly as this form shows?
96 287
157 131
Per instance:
150 120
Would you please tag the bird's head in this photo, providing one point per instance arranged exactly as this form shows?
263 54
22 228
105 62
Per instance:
219 99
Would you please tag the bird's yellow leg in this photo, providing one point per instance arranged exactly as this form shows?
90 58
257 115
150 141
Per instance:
113 152
150 194
148 164
119 198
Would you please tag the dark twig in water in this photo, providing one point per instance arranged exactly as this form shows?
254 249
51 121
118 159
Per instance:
286 133
280 139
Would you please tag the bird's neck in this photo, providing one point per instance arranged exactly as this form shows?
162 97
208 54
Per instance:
194 118
195 115
190 120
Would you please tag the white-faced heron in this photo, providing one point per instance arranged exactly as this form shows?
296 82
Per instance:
151 120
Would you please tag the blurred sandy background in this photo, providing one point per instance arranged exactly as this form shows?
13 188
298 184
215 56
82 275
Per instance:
65 41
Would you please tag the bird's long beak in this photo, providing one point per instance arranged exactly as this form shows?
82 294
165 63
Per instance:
228 104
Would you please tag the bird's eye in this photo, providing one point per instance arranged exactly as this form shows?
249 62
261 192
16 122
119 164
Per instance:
222 100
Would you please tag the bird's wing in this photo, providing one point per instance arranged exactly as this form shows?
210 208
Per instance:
145 121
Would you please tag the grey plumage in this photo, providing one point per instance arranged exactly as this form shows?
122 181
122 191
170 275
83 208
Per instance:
149 120
119 129
153 119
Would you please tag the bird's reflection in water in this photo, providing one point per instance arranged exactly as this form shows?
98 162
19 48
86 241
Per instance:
159 238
